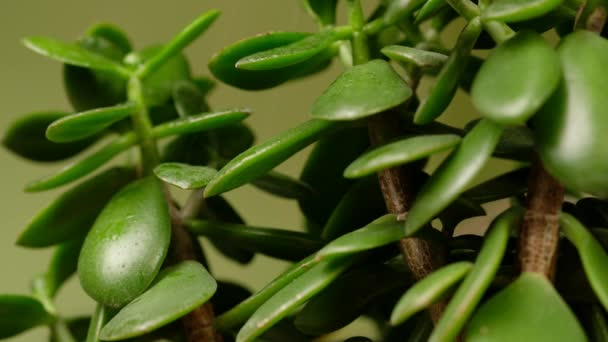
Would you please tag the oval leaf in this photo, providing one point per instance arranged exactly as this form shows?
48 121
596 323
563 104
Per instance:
184 176
113 34
420 58
529 71
361 91
176 291
518 10
127 245
20 313
201 122
283 186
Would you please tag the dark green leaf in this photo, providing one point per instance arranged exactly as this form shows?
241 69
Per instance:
201 122
453 175
516 143
361 91
282 185
262 158
188 99
599 324
323 10
529 71
400 152
176 291
83 125
126 247
184 176
522 312
62 266
510 184
112 34
233 139
398 9
429 9
20 313
420 58
26 137
518 10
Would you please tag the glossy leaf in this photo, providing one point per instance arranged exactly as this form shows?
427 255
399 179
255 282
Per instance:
283 186
201 122
529 71
84 166
124 250
361 91
20 313
420 58
83 125
323 10
264 157
176 291
518 10
398 9
430 8
73 54
26 138
570 150
470 292
523 311
399 153
428 291
278 243
593 256
292 296
448 79
184 176
510 184
453 175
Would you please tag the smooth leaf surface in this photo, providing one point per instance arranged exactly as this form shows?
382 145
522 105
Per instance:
177 290
264 157
126 247
453 175
361 91
188 99
20 313
283 185
430 8
428 291
398 9
200 122
518 10
184 176
323 10
83 125
113 34
420 58
62 266
522 312
399 153
528 71
516 143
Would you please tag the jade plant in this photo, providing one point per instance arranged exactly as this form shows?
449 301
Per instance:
378 238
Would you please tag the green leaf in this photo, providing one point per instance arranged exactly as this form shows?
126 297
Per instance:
83 125
529 71
448 79
84 166
201 122
582 56
233 140
188 99
509 184
77 326
100 317
378 233
26 138
290 54
290 297
283 186
399 153
420 58
472 289
63 265
74 55
277 243
262 158
509 11
429 9
20 313
516 143
323 10
593 256
453 175
361 91
176 291
522 312
184 176
126 247
113 34
429 290
398 9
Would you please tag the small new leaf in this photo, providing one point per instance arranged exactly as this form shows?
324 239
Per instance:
184 176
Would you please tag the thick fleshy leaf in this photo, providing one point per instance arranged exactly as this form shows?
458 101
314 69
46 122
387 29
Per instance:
529 71
20 313
84 166
454 174
420 58
430 8
516 143
126 247
83 125
278 243
475 284
184 176
361 91
570 150
398 9
73 54
113 34
287 55
323 10
510 184
283 186
593 256
62 266
428 291
399 153
176 291
262 158
448 79
522 312
290 297
26 137
188 99
201 122
518 10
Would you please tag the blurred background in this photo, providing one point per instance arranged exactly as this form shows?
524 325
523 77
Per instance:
32 83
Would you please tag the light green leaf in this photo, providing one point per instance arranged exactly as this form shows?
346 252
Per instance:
430 8
184 176
420 58
20 313
200 122
518 10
